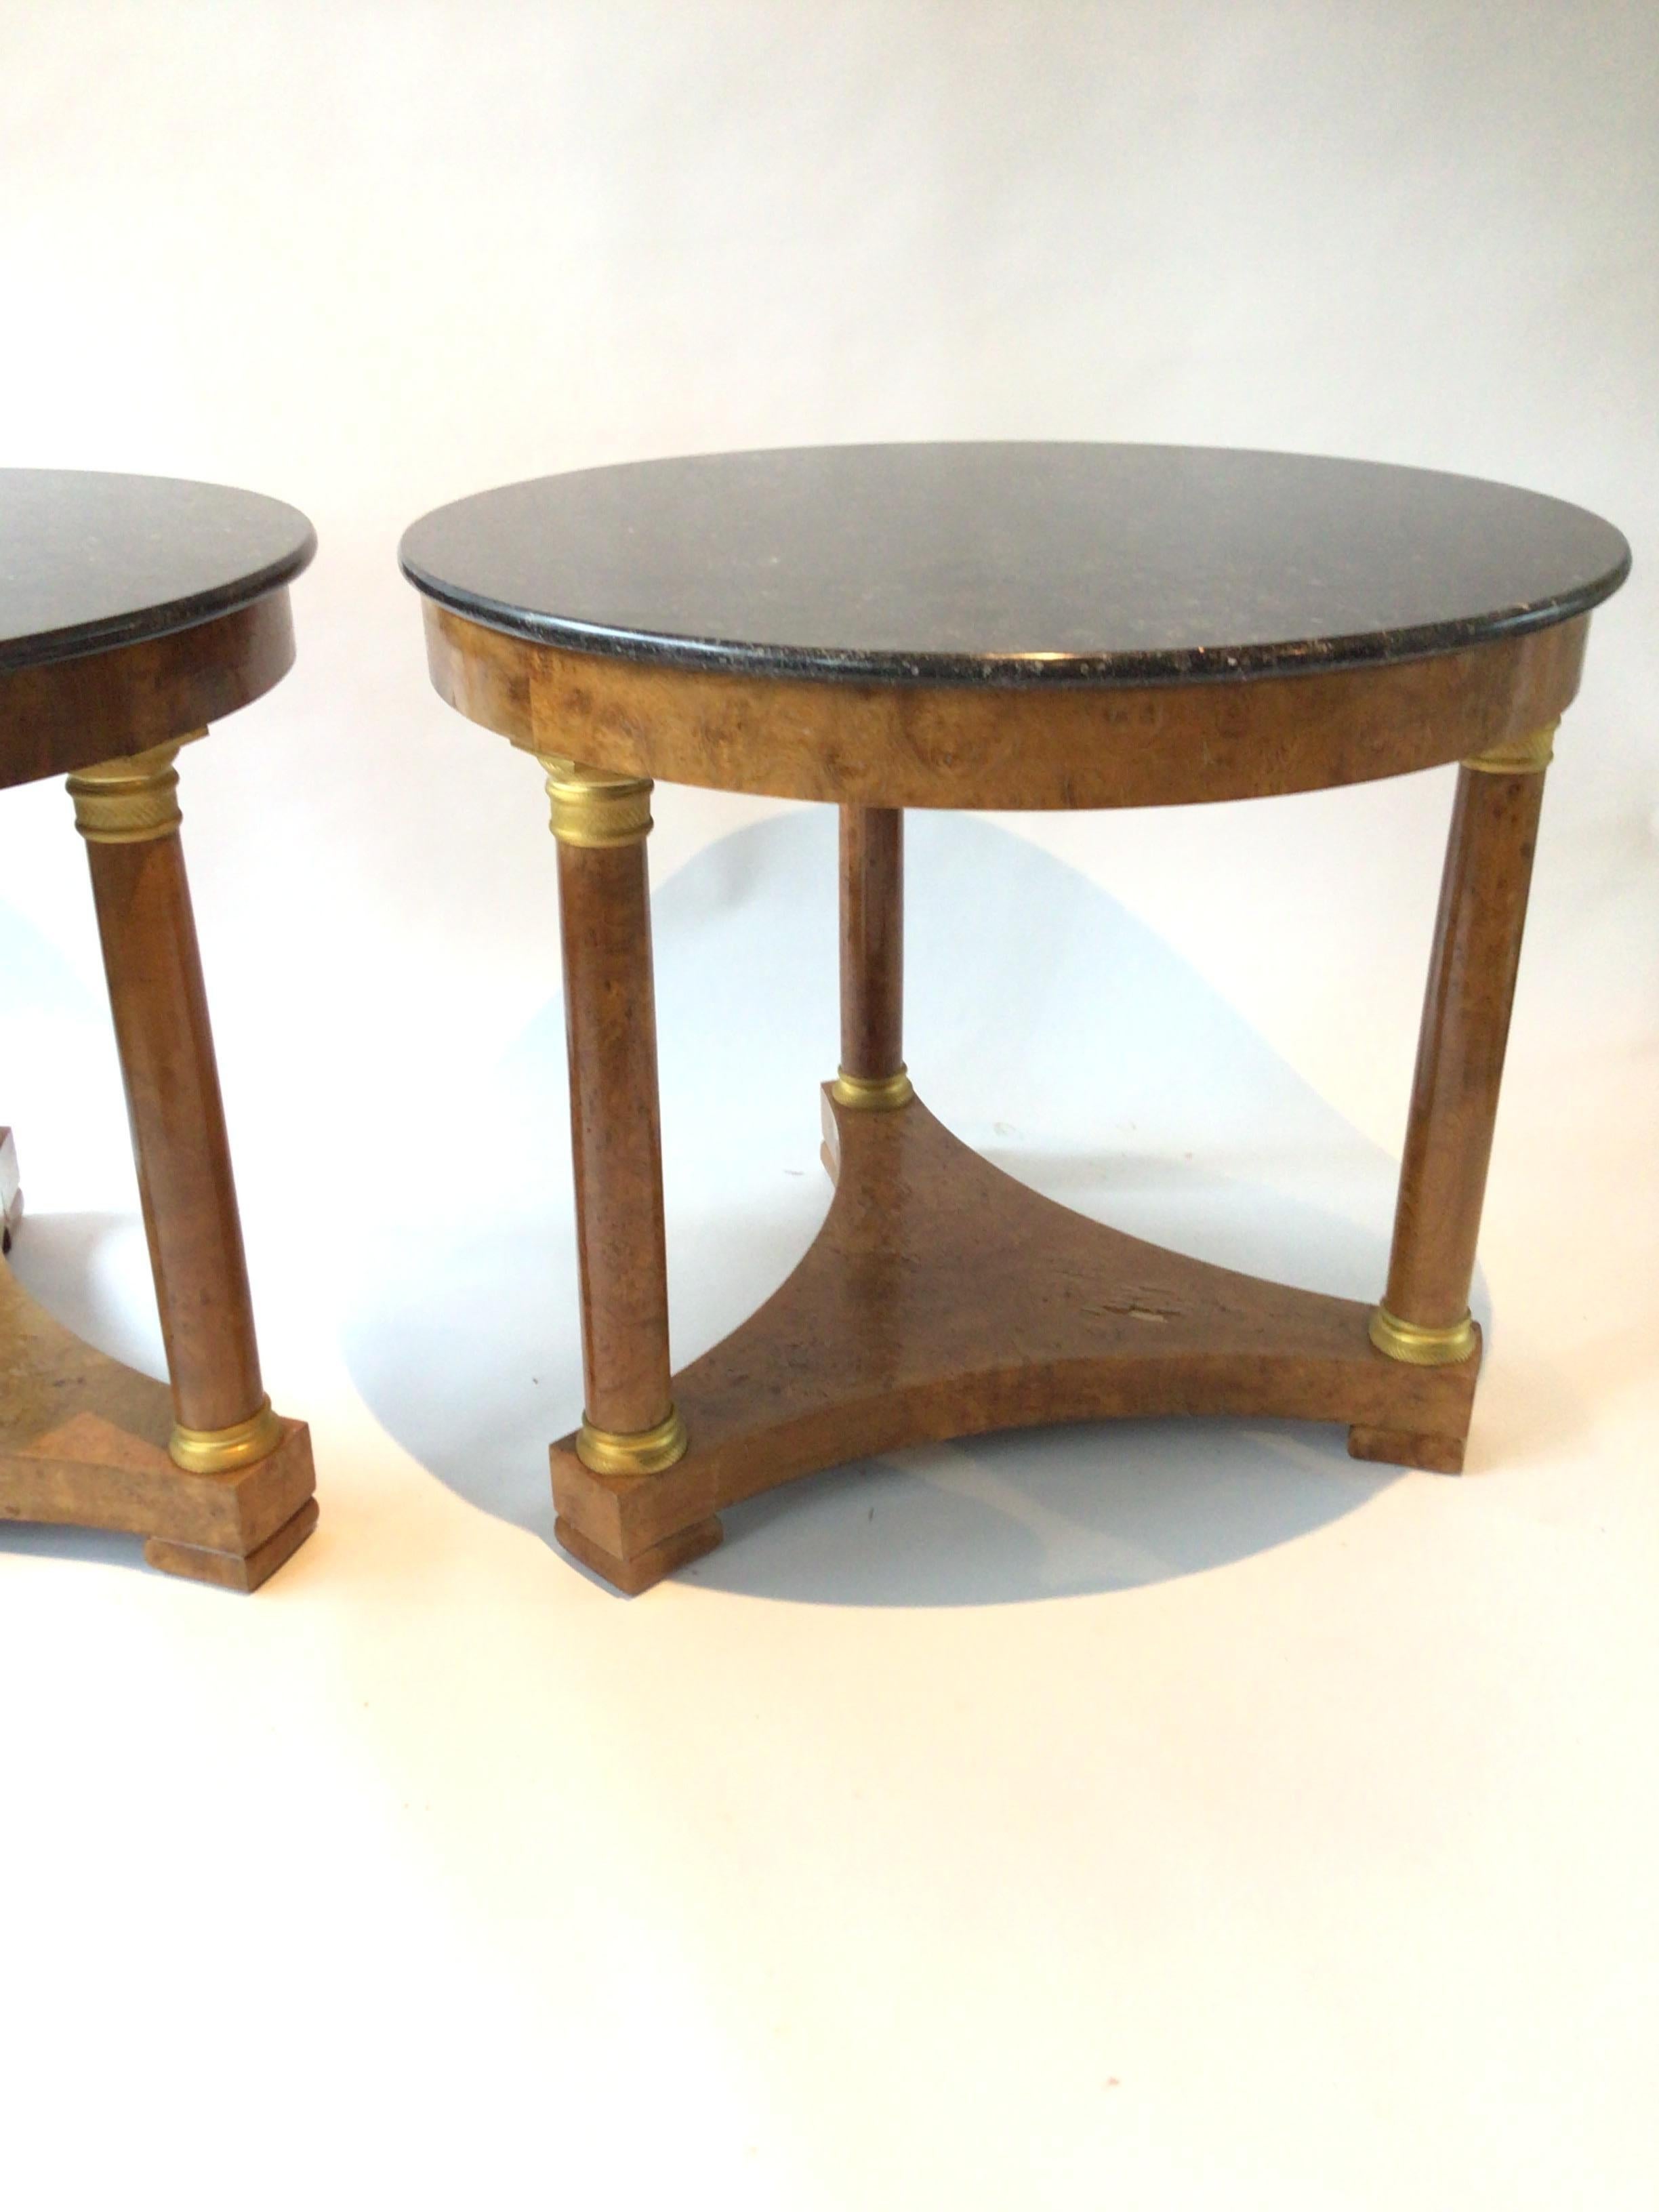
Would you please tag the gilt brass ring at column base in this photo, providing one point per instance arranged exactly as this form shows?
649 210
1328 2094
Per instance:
217 1451
874 1094
1419 1347
646 1451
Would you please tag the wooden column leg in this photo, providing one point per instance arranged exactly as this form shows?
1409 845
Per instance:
128 812
872 1072
1424 1318
629 1424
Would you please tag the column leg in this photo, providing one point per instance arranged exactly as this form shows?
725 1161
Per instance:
1424 1318
128 812
872 1072
629 1424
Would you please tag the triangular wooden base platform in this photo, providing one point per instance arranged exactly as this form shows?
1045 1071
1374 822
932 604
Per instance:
83 1440
943 1298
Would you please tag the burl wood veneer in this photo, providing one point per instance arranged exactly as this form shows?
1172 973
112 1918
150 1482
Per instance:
131 609
1000 626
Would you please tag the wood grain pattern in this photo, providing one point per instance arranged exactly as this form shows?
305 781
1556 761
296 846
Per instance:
616 1134
883 1336
872 940
1459 1061
158 1004
978 746
83 1440
69 714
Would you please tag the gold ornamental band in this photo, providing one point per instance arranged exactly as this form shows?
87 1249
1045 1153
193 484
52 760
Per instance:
1527 755
217 1451
648 1451
591 807
131 801
1418 1346
873 1094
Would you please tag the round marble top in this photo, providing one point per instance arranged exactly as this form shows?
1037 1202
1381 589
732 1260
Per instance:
88 562
1013 564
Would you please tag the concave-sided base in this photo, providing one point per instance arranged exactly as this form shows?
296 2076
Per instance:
84 1440
942 1298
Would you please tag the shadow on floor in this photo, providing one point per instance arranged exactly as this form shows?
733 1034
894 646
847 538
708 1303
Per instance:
1046 1513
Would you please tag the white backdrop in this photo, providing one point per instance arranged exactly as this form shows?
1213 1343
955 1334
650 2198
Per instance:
1188 1816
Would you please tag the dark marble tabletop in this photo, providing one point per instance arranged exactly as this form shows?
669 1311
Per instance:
88 562
1014 563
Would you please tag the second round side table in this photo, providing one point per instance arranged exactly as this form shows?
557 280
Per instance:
134 610
999 626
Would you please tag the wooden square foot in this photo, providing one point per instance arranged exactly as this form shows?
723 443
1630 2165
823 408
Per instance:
235 1570
632 1576
1402 1448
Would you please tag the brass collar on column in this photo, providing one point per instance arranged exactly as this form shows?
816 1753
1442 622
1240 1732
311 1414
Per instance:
1527 755
217 1451
130 801
1416 1345
877 1094
648 1452
591 807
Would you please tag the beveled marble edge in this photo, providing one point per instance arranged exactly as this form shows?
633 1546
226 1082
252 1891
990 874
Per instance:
40 648
1173 664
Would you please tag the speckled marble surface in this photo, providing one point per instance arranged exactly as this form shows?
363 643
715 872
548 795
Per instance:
1014 563
90 560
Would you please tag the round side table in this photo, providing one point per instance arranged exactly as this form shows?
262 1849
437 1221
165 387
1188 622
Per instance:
1000 626
133 612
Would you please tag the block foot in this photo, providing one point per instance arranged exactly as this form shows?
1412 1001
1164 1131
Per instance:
1403 1447
233 1569
647 1567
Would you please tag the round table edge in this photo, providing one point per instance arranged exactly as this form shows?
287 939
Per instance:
853 742
107 702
